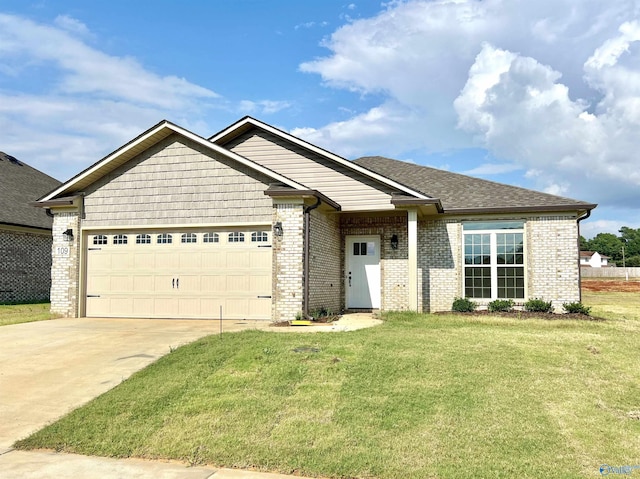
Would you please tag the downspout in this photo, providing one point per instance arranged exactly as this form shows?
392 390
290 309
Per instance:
579 268
305 265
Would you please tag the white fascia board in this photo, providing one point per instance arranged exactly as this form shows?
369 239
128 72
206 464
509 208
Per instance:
186 133
319 151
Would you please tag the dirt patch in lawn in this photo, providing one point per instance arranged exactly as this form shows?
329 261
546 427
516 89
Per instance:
613 285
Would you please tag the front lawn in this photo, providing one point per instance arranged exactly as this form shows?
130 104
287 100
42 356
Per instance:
420 396
24 313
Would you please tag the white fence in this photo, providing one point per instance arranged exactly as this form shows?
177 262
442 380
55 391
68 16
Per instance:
612 272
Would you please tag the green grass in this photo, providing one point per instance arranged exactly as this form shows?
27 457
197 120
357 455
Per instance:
613 305
24 313
421 396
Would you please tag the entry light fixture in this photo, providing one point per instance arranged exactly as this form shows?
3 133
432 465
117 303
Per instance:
394 242
277 229
67 235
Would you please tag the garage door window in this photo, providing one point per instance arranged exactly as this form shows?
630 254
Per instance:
236 237
259 237
164 238
120 239
99 239
143 239
189 238
211 238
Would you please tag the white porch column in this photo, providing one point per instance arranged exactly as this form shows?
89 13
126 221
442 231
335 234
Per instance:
412 256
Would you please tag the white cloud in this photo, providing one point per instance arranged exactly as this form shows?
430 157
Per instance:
493 169
89 102
72 25
263 107
85 70
551 86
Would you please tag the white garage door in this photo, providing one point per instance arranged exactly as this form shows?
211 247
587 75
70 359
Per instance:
179 274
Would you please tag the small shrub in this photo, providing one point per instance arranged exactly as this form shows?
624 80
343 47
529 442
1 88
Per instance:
577 308
501 305
538 306
463 305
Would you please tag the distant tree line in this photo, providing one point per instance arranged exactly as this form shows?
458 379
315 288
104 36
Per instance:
611 245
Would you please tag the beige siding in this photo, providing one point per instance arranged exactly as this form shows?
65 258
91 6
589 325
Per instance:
351 190
177 182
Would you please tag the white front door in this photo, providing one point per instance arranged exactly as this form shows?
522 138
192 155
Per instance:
362 282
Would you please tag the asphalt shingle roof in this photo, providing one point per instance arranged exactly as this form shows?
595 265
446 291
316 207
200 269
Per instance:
21 184
465 193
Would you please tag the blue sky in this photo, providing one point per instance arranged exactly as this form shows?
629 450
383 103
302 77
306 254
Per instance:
544 94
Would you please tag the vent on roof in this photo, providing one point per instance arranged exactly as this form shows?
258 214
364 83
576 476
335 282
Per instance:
12 159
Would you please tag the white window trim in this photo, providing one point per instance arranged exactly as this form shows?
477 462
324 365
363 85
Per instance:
493 252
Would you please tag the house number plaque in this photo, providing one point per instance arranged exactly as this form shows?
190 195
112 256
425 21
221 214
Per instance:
62 251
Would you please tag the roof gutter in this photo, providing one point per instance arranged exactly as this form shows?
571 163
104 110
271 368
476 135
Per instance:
586 215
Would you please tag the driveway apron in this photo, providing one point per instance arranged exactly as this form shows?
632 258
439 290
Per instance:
49 368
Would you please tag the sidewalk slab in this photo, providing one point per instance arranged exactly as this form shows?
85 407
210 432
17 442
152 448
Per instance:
53 465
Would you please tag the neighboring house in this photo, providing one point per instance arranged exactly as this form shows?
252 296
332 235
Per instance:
593 259
256 223
25 232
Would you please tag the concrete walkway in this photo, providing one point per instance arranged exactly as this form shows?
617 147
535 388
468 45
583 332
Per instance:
49 368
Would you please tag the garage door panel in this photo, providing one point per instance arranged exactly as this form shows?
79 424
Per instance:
141 307
213 283
99 283
165 308
143 284
119 285
144 260
237 283
213 260
179 280
238 260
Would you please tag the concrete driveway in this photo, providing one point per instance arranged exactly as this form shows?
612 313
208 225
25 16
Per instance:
49 368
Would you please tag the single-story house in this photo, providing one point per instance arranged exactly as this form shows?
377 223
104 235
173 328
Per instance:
256 223
593 259
25 232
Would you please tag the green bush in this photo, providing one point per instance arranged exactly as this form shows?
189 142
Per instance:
577 307
538 306
463 305
501 305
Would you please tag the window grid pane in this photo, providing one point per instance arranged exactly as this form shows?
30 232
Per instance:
510 248
120 239
164 238
259 237
477 249
236 237
477 282
99 239
511 282
211 238
143 239
189 238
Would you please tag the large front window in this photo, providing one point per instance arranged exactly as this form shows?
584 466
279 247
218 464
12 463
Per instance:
494 259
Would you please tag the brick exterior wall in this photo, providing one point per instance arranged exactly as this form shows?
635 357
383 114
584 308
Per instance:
439 264
288 255
326 287
25 274
393 263
65 267
552 259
